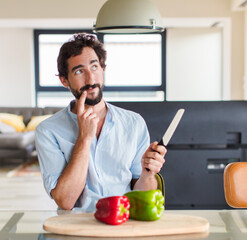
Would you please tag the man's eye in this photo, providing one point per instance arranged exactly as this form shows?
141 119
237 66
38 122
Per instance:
78 72
95 67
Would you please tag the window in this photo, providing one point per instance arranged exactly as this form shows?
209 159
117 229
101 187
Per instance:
133 60
181 64
49 46
133 73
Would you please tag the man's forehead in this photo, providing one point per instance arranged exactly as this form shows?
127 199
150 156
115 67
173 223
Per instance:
88 51
84 58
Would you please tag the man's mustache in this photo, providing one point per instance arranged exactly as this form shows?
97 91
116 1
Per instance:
89 86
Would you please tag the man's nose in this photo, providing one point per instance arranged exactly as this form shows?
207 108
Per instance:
90 78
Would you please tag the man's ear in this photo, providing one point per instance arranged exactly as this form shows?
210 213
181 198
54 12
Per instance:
64 81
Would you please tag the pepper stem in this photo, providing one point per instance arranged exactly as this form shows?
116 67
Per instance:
122 209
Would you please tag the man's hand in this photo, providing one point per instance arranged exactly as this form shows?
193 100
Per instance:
87 119
153 158
73 179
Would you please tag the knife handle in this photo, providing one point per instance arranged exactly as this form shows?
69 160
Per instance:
160 143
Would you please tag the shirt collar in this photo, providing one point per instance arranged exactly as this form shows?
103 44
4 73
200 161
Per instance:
71 105
110 111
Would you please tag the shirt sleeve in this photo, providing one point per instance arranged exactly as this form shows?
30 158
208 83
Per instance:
143 142
51 158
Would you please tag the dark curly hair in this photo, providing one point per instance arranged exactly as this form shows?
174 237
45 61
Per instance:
74 47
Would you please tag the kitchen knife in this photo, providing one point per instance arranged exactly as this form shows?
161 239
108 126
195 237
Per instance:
171 129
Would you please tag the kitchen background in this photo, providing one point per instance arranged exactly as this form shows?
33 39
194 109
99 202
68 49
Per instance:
203 143
18 19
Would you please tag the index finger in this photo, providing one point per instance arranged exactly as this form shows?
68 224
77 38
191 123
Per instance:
81 103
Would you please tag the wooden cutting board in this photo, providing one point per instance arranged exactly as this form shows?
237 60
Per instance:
86 225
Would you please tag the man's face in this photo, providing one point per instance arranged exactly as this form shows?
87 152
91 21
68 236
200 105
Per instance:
85 74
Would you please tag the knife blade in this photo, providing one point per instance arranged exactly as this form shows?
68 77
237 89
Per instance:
171 129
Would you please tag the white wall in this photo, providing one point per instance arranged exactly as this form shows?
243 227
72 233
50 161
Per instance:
237 56
245 55
16 67
194 60
90 8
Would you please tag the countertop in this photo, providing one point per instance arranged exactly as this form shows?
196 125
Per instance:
27 225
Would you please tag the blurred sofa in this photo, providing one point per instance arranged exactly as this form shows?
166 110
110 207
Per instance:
18 142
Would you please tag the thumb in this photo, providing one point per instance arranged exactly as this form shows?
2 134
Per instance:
150 148
153 144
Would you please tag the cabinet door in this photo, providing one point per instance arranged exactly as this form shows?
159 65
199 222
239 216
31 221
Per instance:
194 178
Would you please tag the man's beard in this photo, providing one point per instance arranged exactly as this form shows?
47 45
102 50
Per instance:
88 101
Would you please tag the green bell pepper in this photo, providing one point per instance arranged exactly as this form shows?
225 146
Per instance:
146 205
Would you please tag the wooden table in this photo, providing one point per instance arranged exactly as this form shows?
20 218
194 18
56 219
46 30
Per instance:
224 224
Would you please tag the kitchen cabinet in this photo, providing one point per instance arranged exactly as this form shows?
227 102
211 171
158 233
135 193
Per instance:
209 136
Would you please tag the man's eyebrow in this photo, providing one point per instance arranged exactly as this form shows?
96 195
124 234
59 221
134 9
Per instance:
76 67
81 66
93 61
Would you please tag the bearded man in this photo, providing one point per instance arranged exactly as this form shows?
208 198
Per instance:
92 149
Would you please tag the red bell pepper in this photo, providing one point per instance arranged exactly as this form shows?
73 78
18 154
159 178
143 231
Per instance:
112 210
